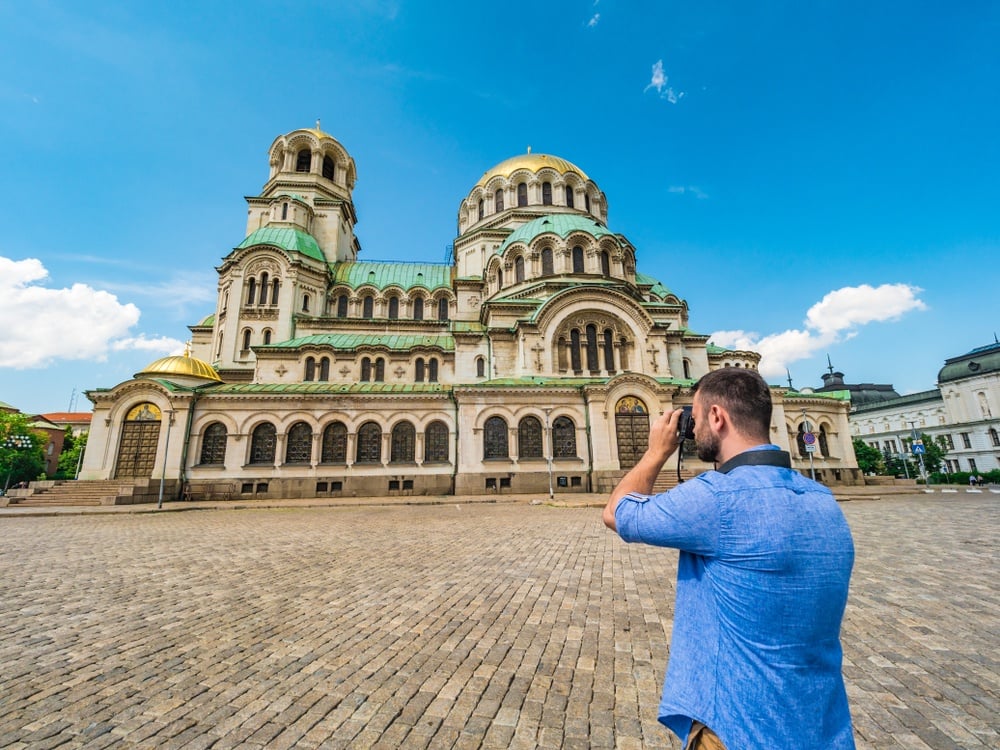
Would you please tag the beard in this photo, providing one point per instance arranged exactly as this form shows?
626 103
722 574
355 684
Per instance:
707 449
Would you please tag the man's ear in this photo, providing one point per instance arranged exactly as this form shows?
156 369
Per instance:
717 418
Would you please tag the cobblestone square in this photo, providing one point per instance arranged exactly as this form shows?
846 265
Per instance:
447 626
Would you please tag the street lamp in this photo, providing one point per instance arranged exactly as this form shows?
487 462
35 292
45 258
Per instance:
810 442
548 430
15 442
166 449
920 455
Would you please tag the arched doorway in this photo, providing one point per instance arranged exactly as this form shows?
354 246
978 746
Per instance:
137 446
632 429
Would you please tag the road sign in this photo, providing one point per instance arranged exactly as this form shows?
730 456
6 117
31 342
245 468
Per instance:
810 448
808 438
918 447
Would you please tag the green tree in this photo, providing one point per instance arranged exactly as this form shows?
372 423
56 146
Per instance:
869 459
935 450
69 459
22 456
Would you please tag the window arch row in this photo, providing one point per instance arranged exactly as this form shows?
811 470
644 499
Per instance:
392 304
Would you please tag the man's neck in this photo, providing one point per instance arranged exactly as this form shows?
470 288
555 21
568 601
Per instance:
735 447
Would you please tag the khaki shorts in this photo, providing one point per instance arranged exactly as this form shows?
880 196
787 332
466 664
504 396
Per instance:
703 738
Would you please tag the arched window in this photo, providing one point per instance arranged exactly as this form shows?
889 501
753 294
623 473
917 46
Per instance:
495 438
569 196
529 438
576 363
593 363
284 211
251 290
609 350
246 340
342 306
522 194
366 370
298 444
443 308
379 370
547 267
368 307
310 373
824 446
267 336
499 279
563 438
561 353
432 370
274 292
334 449
436 443
577 259
324 369
393 308
481 207
480 367
994 437
498 201
518 269
303 160
263 288
800 440
213 444
605 263
305 303
419 374
586 202
402 442
369 444
546 193
687 369
262 442
418 308
329 169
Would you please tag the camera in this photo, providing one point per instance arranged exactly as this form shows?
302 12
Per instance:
685 427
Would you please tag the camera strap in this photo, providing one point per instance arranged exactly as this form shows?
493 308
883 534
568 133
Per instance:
757 458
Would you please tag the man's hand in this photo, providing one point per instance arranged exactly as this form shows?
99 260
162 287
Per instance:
663 442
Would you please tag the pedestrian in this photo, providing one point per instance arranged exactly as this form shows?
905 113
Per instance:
762 579
972 480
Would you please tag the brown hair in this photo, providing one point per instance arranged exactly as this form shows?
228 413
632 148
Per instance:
743 394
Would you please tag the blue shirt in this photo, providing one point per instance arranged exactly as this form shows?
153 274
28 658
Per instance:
762 580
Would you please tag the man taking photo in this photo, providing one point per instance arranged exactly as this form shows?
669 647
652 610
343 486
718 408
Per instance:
762 579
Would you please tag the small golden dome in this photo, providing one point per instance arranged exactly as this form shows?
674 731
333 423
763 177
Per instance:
531 162
180 365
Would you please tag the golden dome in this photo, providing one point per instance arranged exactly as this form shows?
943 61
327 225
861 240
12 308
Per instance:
531 162
182 365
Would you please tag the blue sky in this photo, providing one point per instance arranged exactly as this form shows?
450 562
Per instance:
813 178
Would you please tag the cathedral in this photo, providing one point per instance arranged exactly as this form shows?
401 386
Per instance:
532 362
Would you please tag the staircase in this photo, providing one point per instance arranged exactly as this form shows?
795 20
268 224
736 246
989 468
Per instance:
666 480
74 493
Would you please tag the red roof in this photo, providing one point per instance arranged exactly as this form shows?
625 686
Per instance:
65 417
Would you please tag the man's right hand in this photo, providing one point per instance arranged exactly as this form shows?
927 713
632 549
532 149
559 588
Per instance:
663 437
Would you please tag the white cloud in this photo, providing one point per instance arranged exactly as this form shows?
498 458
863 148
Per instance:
659 82
694 190
161 344
593 20
834 318
41 324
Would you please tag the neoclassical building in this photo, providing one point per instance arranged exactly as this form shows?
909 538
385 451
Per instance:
534 359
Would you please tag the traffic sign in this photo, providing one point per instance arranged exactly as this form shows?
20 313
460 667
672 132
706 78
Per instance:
918 447
810 448
808 438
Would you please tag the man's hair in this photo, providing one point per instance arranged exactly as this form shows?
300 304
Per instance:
743 394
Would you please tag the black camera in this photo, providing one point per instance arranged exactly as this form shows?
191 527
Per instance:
685 427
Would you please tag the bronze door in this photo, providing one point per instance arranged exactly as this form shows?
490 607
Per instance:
632 428
137 449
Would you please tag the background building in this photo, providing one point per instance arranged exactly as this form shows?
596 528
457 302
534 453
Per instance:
536 357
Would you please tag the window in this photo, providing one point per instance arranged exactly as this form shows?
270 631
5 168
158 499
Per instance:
495 438
419 374
546 193
298 447
310 373
393 308
563 438
436 443
499 279
972 464
522 195
966 441
574 351
305 303
529 438
480 367
369 443
246 340
329 169
368 307
443 308
547 267
303 160
577 259
379 370
994 437
418 308
274 292
481 206
605 263
586 202
824 446
342 306
518 269
569 196
284 211
213 444
800 439
251 290
366 370
498 201
609 350
687 369
401 443
432 370
262 442
592 359
324 369
263 288
334 450
949 442
267 335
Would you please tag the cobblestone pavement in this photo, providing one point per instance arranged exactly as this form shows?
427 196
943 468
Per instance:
445 626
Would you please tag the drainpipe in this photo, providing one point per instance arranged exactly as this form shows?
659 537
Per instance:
454 470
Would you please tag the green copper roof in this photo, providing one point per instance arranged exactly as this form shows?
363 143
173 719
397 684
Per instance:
657 288
562 225
207 321
381 275
835 395
352 341
287 238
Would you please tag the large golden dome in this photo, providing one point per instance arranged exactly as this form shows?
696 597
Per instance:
531 162
180 365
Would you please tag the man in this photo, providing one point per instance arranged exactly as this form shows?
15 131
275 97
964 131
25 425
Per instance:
765 561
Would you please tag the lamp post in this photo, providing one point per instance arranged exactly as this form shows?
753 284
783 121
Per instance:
920 454
548 430
15 442
166 450
810 442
